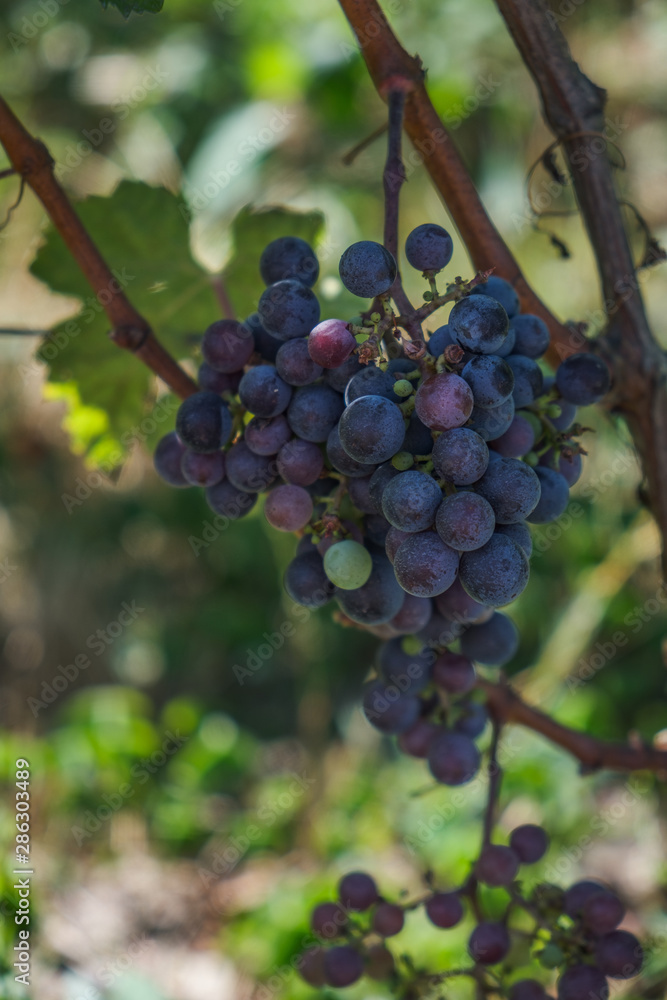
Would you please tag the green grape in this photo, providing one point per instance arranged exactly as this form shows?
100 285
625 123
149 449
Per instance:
348 564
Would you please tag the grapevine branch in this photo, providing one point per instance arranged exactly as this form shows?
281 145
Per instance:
594 754
573 107
32 161
388 62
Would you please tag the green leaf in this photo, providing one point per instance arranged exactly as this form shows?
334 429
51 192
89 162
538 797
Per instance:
143 234
127 7
252 229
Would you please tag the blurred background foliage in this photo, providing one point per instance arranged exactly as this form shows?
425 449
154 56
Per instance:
184 822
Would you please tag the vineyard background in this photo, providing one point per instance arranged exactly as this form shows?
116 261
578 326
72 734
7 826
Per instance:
276 783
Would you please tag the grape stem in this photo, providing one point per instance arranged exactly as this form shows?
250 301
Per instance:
495 779
593 753
393 179
33 162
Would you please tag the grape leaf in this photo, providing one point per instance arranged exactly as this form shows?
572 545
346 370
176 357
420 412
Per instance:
252 229
143 234
127 7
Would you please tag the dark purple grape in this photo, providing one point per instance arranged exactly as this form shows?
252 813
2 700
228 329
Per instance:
517 440
444 401
218 382
453 758
520 533
492 423
568 412
489 943
497 865
328 920
479 324
342 462
527 989
343 966
464 521
371 381
414 615
306 582
512 488
500 290
248 471
495 574
473 720
289 257
529 842
338 378
439 340
203 422
457 606
314 411
227 500
376 529
409 672
379 480
331 343
227 345
490 378
388 919
311 966
295 365
167 460
444 909
569 465
429 247
418 439
582 982
367 269
395 538
578 893
531 335
300 462
266 344
583 379
528 380
454 673
288 508
602 913
416 741
288 309
554 496
357 891
460 456
371 429
266 437
203 470
493 642
439 632
379 962
388 709
263 392
410 500
378 600
358 489
424 565
619 955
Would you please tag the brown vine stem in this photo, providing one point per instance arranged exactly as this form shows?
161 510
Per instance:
387 62
495 781
594 754
32 161
573 107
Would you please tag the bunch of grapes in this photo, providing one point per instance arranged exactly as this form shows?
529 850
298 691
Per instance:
411 479
573 930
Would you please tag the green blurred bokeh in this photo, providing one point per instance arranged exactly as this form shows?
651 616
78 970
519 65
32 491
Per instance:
245 801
